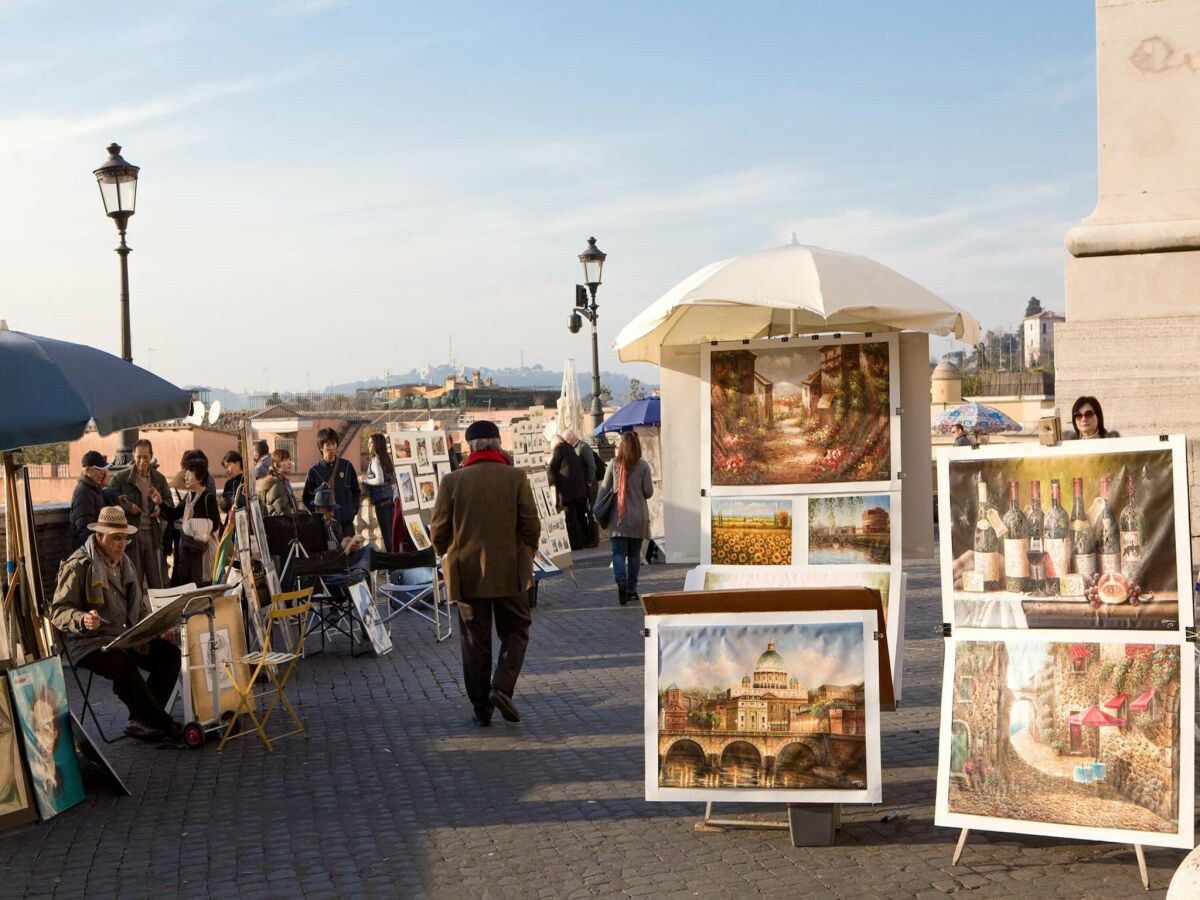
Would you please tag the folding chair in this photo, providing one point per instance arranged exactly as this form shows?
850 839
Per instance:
415 585
332 607
85 691
277 665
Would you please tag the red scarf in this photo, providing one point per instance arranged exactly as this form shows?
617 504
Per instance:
486 456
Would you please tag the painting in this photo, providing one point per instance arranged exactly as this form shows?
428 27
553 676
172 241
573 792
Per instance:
1086 534
205 660
402 449
421 449
850 529
554 541
544 564
39 697
766 707
406 486
442 469
754 532
368 616
438 448
17 805
416 531
1088 739
427 488
800 414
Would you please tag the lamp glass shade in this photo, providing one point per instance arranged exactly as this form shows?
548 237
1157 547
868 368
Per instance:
593 262
118 184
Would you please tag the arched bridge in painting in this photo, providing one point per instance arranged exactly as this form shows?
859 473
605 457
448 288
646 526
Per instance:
765 758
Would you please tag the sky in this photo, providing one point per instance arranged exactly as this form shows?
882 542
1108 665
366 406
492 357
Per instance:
331 190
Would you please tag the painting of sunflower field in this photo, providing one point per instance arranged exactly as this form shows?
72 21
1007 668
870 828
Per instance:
801 414
751 532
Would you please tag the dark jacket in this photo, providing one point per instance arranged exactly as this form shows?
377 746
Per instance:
86 502
587 458
566 473
275 492
128 496
347 493
486 524
233 488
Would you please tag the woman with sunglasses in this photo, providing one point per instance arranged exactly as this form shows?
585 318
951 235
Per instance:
1087 419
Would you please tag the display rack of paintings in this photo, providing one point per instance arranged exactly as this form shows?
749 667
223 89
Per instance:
39 699
528 443
763 707
420 449
554 543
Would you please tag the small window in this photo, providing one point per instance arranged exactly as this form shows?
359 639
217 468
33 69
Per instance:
1079 664
965 683
1043 328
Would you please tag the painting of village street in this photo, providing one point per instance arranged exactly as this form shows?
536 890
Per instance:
751 532
852 529
801 415
1072 734
762 706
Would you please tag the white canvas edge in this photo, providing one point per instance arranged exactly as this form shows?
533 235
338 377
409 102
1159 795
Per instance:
1184 839
1177 444
892 339
873 793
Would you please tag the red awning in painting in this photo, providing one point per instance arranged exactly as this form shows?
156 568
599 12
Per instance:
1094 717
1078 651
1115 702
1143 700
1134 650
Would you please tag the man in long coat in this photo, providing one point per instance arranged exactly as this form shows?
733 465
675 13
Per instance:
485 525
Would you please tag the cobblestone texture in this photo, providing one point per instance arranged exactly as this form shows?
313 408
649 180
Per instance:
395 795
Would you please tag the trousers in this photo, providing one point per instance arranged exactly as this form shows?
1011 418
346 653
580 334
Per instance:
146 555
626 561
146 698
512 619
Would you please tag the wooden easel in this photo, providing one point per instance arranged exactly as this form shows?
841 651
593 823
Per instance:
1138 850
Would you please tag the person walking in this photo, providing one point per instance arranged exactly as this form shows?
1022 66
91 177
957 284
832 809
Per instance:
88 497
337 474
566 474
380 479
145 497
485 524
631 484
592 472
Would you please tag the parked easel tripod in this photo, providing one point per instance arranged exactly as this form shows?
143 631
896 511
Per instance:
1138 850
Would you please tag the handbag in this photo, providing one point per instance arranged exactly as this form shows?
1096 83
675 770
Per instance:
603 507
195 532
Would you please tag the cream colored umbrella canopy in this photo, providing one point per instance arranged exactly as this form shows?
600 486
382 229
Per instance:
793 289
570 407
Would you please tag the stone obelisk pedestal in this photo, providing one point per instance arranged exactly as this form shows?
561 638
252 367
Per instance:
1132 335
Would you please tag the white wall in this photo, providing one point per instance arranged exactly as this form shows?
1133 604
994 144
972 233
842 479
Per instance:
916 518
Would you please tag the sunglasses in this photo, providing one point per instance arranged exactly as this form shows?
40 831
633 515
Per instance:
1085 414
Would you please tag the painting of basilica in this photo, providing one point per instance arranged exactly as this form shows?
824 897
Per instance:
800 414
750 707
1077 740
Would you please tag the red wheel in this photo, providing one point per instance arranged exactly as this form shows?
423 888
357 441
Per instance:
193 735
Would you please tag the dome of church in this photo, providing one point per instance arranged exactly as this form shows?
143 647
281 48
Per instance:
770 661
746 680
945 371
795 682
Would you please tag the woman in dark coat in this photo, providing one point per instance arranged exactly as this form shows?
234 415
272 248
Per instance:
565 470
200 502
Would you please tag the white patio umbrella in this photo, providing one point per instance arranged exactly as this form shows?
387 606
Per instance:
570 407
788 290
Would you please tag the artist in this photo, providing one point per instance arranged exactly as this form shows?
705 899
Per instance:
98 597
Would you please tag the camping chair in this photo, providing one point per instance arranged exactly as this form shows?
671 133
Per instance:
333 609
277 665
415 586
85 690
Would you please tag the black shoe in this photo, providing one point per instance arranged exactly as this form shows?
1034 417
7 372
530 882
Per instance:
478 718
622 593
140 731
503 702
635 597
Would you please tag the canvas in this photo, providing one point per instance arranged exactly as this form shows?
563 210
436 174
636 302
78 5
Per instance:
402 449
801 414
750 532
17 804
406 486
1052 735
376 632
442 469
39 697
850 529
765 707
439 449
230 636
416 531
88 749
427 488
1111 552
422 455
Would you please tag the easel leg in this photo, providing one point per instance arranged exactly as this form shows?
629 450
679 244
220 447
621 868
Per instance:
962 839
703 825
1141 861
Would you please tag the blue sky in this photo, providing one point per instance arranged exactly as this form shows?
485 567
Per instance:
349 184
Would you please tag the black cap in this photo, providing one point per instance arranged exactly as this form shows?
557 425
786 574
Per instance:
94 459
323 499
482 430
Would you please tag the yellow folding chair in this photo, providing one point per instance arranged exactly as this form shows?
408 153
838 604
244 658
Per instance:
286 609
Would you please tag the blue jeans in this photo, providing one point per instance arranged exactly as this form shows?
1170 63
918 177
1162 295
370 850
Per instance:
627 553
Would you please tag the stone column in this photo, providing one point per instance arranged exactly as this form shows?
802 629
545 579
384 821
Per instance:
1132 335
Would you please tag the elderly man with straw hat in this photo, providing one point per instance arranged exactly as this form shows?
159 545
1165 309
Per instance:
99 596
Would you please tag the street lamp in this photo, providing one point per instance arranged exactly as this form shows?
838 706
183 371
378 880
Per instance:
593 267
118 190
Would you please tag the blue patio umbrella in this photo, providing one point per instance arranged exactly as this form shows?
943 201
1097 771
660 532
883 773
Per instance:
52 389
635 412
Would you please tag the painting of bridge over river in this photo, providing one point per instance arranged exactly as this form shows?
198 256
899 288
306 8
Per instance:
852 529
764 708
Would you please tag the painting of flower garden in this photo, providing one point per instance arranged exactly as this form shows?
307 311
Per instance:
751 532
801 415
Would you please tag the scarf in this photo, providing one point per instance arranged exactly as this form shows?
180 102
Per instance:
103 572
486 456
622 472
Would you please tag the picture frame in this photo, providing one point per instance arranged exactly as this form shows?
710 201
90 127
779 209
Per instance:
18 805
39 699
406 486
427 490
417 531
230 636
439 447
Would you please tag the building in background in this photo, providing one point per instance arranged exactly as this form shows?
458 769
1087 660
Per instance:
1037 334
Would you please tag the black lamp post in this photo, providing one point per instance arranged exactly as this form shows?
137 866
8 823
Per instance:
118 190
585 307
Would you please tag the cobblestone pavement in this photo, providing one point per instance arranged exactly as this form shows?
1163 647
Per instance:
395 795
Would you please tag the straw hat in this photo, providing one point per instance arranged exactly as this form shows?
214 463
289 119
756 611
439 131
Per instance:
112 521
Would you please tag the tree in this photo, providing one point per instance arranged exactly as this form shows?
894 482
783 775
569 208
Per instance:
636 391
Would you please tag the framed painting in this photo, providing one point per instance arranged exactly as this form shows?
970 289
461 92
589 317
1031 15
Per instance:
421 449
416 531
439 447
39 697
1086 534
763 707
755 531
1068 735
17 804
442 469
406 486
207 652
427 489
403 453
851 530
798 416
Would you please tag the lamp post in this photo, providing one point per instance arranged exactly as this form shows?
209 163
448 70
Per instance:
585 308
118 190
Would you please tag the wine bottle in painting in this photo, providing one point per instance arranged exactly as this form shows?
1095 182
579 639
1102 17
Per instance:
1133 532
1083 538
1035 517
1055 538
987 544
1108 535
1016 543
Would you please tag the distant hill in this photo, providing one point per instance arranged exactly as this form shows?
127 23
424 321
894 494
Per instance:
528 377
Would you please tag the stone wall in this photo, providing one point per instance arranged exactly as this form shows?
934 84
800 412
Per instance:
985 713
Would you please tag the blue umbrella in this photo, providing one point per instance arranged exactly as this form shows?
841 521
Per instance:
636 412
975 417
52 389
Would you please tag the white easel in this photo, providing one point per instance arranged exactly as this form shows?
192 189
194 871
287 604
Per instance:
1138 850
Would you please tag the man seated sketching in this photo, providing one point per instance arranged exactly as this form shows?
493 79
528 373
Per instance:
99 596
357 551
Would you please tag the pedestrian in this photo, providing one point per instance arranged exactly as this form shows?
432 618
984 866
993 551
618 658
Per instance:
631 484
233 494
88 497
98 597
339 476
591 473
1087 421
199 524
566 474
262 459
275 488
485 525
961 438
380 479
145 497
